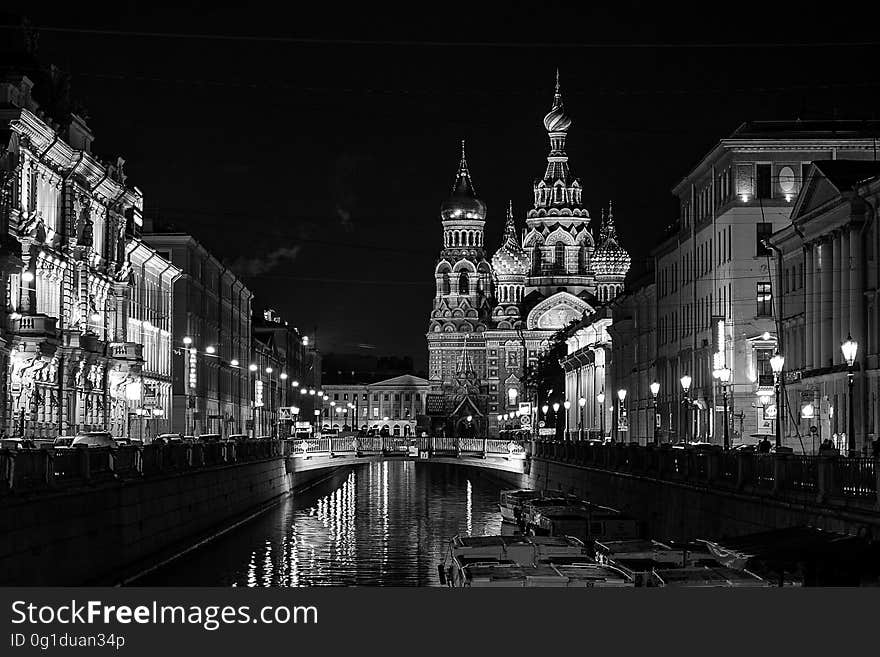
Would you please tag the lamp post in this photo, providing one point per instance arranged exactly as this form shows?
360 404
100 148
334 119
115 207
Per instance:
567 405
685 386
776 363
655 389
621 396
724 377
252 368
582 402
555 415
601 399
850 348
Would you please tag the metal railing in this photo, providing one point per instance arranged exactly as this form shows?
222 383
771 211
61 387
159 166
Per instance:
24 470
397 445
781 474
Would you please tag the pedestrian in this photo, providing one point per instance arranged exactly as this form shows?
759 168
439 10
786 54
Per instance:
764 446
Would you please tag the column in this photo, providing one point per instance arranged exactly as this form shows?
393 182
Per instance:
28 292
826 264
809 313
837 306
843 264
856 266
817 305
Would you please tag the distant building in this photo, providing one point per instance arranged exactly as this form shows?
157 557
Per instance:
828 280
392 405
714 271
212 340
281 357
492 317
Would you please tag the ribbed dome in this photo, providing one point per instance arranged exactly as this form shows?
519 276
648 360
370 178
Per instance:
609 258
510 259
556 120
463 202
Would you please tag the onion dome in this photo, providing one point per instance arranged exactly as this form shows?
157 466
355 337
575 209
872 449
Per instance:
463 202
556 119
511 258
609 258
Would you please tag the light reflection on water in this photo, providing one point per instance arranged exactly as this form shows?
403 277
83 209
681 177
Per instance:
385 524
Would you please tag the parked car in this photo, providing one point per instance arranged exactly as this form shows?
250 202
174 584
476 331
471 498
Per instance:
209 438
63 441
238 436
264 438
17 443
91 439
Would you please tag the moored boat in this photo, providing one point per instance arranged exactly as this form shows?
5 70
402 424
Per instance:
512 501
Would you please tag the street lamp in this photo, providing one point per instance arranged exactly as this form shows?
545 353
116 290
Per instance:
724 377
582 402
187 340
601 399
686 385
655 389
621 411
512 394
776 363
850 348
567 405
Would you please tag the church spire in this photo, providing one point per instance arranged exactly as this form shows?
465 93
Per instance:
463 185
510 226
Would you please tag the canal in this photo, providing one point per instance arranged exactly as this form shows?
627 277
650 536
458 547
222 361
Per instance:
384 524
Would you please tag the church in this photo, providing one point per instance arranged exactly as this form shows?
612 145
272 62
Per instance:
493 316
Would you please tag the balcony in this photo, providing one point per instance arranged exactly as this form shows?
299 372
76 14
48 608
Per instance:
34 326
129 351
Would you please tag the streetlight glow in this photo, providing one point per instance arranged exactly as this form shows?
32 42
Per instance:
210 349
252 367
777 362
621 394
283 376
686 382
187 340
849 348
582 402
555 407
600 398
233 363
655 388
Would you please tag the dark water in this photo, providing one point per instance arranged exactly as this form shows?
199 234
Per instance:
386 524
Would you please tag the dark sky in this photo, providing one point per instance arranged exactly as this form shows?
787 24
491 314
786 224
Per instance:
318 168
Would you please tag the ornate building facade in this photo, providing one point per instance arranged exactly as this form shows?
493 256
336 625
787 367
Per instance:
492 318
67 224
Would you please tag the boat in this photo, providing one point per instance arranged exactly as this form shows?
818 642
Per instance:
466 551
588 522
706 576
542 575
512 502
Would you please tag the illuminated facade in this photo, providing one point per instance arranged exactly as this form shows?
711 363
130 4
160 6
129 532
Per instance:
212 333
492 318
829 279
714 265
390 406
68 223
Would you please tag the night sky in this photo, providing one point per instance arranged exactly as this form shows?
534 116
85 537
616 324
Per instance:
315 164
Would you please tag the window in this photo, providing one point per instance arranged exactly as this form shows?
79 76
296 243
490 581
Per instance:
345 397
463 287
764 186
512 359
765 300
762 232
336 396
386 396
375 396
559 257
375 412
762 358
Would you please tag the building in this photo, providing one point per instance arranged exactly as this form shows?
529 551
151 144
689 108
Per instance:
828 277
281 371
69 223
714 271
212 336
149 319
491 318
391 406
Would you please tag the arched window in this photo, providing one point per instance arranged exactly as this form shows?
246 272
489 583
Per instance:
559 257
444 284
463 286
536 261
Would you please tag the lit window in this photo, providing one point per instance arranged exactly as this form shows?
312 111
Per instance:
765 300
